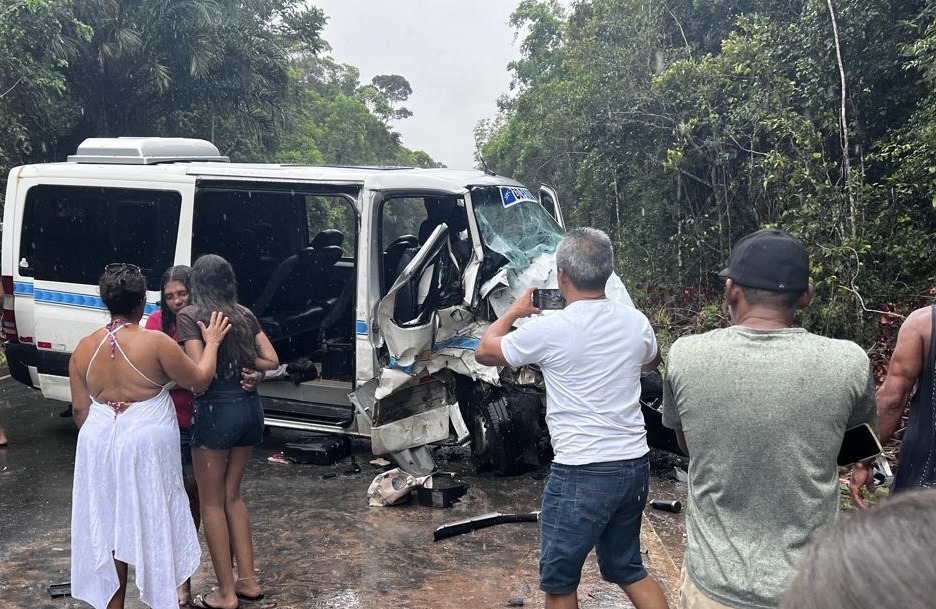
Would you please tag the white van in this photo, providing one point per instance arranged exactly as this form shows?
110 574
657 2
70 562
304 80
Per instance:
374 283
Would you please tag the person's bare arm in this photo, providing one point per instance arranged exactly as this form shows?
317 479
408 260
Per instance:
681 440
652 364
489 351
80 395
902 372
195 373
267 359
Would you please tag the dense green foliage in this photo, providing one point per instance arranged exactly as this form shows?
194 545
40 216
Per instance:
683 125
679 125
244 74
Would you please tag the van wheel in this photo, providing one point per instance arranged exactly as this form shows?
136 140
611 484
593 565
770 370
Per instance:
496 439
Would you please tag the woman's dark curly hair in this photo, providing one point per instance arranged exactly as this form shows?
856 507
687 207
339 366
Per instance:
122 287
181 273
214 288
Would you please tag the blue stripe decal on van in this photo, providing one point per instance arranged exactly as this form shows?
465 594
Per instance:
457 342
83 301
22 288
394 363
361 326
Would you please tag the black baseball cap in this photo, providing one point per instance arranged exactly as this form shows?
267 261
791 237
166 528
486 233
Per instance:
769 259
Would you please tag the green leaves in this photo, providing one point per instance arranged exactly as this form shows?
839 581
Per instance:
683 126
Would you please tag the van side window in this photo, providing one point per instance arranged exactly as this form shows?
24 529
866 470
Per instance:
330 213
400 219
293 251
71 232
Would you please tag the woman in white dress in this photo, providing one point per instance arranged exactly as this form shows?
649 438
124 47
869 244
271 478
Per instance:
128 503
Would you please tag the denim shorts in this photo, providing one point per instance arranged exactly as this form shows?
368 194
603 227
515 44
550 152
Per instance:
593 506
185 445
227 416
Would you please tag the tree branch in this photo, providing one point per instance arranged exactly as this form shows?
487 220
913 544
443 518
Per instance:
8 91
843 124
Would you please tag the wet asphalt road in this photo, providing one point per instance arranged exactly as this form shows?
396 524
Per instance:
318 544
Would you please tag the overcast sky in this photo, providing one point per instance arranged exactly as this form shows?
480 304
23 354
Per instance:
454 53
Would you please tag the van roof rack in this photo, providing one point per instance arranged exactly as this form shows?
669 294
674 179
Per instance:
145 150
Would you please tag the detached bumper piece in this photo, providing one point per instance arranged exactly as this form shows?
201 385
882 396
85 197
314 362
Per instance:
460 527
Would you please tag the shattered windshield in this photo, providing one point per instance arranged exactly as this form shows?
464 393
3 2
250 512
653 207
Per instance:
514 224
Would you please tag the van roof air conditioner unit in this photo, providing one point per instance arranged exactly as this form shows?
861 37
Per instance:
145 150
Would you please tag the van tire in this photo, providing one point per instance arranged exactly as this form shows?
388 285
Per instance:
496 438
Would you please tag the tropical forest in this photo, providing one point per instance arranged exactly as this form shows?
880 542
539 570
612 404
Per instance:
678 126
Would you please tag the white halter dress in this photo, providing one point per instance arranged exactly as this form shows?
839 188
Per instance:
128 501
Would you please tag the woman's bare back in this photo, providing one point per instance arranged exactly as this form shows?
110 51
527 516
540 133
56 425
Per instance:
123 365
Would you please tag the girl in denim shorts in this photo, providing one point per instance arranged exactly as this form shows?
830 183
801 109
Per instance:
228 424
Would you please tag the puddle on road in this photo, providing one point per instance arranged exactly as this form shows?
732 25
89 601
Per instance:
337 599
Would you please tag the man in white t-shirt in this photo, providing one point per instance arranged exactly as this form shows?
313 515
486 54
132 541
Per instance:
591 354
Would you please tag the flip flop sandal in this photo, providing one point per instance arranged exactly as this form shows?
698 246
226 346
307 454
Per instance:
201 602
250 598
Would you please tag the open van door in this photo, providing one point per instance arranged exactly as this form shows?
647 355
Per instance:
411 406
550 200
406 316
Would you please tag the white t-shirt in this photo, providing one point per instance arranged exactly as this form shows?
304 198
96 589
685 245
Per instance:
590 353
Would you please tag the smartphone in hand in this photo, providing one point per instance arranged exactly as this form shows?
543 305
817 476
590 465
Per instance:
547 298
859 444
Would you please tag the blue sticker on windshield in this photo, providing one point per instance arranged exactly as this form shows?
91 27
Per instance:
515 194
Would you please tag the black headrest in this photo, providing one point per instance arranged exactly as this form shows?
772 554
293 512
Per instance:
403 242
439 210
457 220
306 252
328 255
329 236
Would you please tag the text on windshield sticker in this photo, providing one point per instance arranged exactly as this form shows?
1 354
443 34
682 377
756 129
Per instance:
515 194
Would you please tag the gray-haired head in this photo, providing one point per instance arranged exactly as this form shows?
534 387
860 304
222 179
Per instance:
879 558
586 257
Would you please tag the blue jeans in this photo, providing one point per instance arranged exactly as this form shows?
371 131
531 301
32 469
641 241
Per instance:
599 506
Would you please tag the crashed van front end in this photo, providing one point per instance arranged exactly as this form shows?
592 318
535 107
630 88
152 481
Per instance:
429 388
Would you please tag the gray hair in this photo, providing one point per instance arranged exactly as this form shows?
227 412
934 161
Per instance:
879 558
586 257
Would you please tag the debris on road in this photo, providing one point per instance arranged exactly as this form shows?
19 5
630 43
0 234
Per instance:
392 487
278 457
60 590
666 505
440 491
460 527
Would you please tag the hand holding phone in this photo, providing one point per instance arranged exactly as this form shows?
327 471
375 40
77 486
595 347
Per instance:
548 298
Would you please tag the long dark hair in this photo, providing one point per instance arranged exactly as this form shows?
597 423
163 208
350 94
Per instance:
214 288
182 274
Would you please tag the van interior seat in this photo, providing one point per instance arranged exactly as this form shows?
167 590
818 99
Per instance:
318 274
285 306
290 304
290 324
392 256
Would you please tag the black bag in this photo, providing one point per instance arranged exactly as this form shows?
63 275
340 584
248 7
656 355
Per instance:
318 450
